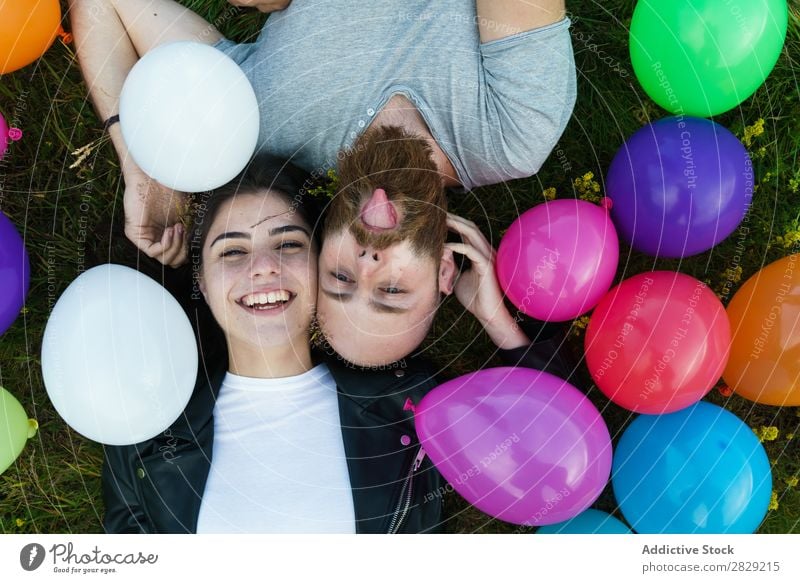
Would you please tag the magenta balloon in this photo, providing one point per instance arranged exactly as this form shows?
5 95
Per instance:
558 259
3 136
521 445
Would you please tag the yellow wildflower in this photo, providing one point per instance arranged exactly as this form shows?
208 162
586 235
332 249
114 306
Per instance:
773 501
549 193
789 436
328 189
733 274
791 481
794 182
20 523
579 324
587 187
767 433
789 239
753 131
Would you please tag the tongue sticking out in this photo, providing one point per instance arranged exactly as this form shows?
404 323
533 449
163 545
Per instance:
379 212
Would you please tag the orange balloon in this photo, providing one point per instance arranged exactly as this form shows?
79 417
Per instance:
765 320
27 29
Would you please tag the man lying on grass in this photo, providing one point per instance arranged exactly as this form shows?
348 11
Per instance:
488 85
472 93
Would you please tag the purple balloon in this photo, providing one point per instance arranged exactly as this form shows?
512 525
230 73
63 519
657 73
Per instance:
521 445
14 273
679 186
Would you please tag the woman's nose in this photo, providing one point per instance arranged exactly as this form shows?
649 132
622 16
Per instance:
265 264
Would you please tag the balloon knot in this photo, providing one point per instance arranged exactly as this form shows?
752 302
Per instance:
33 427
606 203
725 391
409 405
15 134
66 37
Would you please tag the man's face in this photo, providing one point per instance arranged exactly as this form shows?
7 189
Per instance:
383 264
375 306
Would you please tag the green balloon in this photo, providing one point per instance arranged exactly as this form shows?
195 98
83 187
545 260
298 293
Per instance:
15 429
704 57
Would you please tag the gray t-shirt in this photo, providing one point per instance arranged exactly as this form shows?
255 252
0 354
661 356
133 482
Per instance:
321 69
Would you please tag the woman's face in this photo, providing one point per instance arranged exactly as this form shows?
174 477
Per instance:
259 272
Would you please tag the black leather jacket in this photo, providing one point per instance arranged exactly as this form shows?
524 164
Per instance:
157 486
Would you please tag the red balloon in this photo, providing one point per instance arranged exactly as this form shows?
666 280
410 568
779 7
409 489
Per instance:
658 342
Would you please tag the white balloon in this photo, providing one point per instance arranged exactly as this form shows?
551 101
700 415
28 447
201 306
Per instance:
119 357
189 116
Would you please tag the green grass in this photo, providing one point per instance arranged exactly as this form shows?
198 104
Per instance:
54 485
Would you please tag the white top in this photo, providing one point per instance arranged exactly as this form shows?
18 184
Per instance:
278 463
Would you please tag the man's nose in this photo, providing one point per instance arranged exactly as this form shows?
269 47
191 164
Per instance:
369 259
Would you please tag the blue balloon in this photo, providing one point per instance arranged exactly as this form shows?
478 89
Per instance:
679 186
699 470
588 522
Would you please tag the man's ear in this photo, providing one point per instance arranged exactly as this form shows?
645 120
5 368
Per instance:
447 272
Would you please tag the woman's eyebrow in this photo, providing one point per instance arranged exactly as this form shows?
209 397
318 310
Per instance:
276 231
289 229
230 235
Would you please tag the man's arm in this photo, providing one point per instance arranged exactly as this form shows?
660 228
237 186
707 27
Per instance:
110 36
265 6
477 288
501 18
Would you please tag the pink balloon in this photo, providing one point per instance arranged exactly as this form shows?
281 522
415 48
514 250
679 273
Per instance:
3 136
558 259
7 134
521 445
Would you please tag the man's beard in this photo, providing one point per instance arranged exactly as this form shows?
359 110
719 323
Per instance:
402 165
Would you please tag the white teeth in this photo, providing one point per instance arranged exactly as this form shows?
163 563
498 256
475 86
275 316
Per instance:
268 298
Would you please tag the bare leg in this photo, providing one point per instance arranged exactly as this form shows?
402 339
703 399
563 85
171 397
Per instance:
110 36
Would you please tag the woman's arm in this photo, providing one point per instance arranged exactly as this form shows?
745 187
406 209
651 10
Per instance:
123 513
501 18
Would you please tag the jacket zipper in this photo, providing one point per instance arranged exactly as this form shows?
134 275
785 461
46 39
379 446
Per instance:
404 504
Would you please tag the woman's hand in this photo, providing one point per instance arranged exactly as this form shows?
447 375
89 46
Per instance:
152 218
263 5
478 289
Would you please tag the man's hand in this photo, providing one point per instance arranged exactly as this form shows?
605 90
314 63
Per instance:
152 218
263 5
478 289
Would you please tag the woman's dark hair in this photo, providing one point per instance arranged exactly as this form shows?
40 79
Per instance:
264 172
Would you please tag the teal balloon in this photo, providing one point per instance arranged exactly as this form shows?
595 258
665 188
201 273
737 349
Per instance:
705 57
588 522
699 470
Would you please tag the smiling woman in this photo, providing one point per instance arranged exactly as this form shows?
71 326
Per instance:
258 272
298 445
